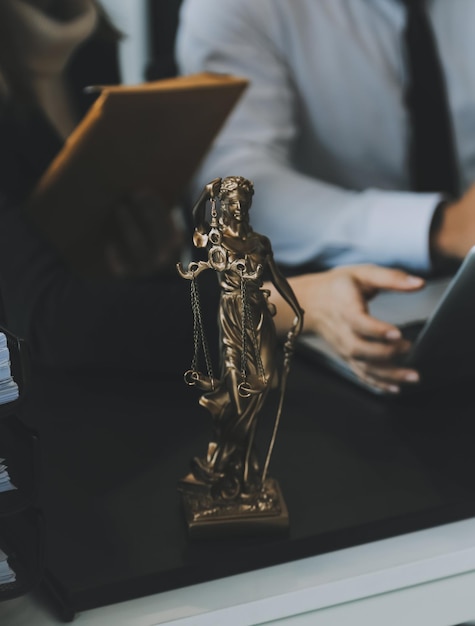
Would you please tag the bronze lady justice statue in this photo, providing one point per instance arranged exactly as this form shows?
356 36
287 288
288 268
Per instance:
228 483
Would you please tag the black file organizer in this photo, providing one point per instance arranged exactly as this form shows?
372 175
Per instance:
21 535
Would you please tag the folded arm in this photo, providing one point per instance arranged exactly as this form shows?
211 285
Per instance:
306 218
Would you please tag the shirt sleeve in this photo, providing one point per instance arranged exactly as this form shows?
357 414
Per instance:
307 220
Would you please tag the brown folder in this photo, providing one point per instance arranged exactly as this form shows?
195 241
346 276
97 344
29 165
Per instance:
151 136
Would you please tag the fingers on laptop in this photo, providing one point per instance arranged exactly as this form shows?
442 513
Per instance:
374 347
372 328
374 277
386 377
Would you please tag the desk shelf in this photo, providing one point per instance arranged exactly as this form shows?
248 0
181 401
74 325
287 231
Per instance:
21 526
20 449
21 538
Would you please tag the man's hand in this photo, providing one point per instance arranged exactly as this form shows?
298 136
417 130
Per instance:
453 237
335 304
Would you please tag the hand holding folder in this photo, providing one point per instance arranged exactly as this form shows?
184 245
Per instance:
151 136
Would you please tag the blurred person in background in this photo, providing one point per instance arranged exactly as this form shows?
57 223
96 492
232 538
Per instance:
140 318
357 127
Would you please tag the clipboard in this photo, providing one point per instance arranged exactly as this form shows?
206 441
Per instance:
150 136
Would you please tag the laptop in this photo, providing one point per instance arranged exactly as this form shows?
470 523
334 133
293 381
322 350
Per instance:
439 320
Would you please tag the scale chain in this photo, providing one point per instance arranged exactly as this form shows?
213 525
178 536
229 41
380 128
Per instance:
199 336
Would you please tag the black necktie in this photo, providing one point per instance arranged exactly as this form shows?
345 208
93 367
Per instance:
432 154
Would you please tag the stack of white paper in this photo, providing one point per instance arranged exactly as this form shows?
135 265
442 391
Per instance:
5 482
8 387
7 575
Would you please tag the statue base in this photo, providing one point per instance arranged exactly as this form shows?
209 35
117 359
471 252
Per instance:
261 512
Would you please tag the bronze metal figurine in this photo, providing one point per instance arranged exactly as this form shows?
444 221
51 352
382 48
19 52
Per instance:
228 489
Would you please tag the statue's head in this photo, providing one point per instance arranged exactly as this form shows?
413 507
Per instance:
235 195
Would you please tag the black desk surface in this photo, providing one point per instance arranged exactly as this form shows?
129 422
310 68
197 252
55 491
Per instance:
353 468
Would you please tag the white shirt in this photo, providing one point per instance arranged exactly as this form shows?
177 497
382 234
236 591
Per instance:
323 129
